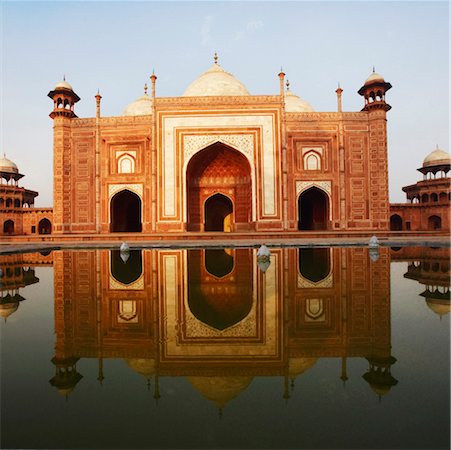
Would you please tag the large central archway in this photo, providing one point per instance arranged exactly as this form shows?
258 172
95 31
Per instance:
125 212
313 207
218 179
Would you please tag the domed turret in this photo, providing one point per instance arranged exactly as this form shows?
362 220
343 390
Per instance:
64 99
216 82
294 103
142 106
373 91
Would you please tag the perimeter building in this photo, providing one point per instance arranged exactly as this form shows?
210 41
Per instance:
220 159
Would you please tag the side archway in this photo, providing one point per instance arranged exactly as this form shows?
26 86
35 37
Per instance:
434 223
44 226
125 212
8 227
218 213
395 222
313 209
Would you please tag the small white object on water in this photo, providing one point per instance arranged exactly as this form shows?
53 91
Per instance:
124 251
264 265
374 242
124 247
374 253
263 254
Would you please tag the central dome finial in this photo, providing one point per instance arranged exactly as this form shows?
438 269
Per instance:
215 58
145 89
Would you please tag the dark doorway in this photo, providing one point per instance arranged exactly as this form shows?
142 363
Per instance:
217 208
434 223
8 227
44 226
126 270
395 222
218 262
313 207
126 212
314 263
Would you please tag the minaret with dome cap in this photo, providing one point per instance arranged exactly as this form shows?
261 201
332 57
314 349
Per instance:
64 99
373 91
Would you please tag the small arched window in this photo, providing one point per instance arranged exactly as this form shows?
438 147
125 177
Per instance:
312 161
126 164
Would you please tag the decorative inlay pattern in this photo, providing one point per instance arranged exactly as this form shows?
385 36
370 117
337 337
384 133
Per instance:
303 185
241 142
246 328
115 188
327 282
137 285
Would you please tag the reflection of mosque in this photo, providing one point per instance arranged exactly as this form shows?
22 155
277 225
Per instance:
214 317
431 268
16 272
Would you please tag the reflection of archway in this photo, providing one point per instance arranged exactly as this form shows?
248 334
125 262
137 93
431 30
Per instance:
218 169
395 222
218 262
44 226
8 227
314 263
313 210
218 212
126 212
434 223
226 298
129 271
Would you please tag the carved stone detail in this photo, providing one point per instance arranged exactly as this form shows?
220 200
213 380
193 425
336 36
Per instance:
241 142
115 188
303 185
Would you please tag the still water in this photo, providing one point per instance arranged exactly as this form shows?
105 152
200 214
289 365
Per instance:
321 348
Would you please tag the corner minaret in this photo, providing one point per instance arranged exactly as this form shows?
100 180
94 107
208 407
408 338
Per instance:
373 91
64 99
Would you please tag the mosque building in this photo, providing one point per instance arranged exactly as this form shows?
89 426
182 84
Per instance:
220 159
429 199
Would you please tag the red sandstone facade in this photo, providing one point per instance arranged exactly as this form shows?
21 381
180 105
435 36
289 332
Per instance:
219 159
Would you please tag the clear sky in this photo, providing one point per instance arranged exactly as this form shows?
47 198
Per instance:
114 46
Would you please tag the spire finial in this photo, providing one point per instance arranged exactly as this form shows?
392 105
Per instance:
153 71
145 88
215 58
64 77
98 91
374 70
339 87
288 85
436 147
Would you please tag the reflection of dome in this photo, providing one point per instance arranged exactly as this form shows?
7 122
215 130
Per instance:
140 107
297 366
220 389
439 307
6 165
7 309
437 157
374 77
143 366
215 82
293 103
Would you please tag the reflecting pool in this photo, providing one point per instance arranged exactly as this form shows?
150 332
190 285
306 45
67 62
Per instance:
208 348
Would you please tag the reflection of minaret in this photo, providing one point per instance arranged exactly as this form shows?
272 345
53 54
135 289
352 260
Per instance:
13 276
379 375
66 375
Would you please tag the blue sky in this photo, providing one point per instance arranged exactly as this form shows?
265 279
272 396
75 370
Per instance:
114 46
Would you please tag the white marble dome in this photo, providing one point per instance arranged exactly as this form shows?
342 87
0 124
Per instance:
215 82
374 77
6 165
437 157
63 85
294 103
142 106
